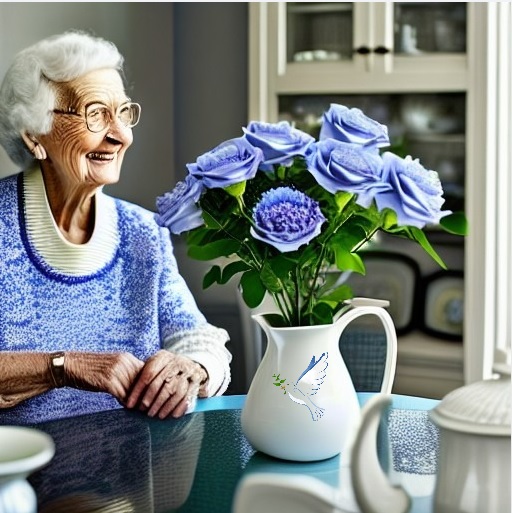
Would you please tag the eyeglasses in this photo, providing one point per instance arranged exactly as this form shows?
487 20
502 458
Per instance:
98 117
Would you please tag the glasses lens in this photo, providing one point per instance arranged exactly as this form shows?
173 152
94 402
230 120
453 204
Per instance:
97 117
129 114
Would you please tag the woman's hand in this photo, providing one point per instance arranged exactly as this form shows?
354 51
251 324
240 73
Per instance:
168 385
114 373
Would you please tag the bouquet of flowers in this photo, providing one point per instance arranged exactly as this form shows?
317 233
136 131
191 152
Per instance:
287 209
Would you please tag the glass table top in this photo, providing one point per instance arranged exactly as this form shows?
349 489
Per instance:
122 461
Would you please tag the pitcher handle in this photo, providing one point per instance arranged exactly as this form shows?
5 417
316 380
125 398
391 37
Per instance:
363 306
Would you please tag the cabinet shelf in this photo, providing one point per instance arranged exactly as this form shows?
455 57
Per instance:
437 138
319 7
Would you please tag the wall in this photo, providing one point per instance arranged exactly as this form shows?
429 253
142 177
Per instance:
210 106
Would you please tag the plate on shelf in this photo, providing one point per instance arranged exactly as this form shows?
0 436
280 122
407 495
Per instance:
443 304
394 277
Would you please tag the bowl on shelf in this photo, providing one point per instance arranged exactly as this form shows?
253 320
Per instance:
429 116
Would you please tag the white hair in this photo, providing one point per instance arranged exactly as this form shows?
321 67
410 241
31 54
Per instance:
27 98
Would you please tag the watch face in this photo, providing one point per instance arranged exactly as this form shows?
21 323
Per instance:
58 360
444 304
390 276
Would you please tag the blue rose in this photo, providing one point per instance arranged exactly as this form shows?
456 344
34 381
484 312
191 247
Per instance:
178 210
229 163
286 219
280 142
415 193
339 166
353 126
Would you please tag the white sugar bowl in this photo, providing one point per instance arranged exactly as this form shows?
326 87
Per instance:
473 474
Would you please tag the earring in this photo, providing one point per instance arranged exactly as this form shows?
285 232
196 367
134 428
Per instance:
39 152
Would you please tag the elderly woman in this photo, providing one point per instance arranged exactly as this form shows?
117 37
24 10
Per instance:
93 312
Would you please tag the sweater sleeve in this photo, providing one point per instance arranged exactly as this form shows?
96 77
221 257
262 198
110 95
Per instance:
184 329
206 346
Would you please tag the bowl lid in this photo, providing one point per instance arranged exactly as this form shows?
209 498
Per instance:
480 408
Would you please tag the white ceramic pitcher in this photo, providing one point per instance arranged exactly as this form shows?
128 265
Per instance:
302 405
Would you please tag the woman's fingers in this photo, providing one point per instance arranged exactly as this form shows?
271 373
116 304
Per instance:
167 385
172 393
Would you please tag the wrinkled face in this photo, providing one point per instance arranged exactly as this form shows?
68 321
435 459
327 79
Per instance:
74 152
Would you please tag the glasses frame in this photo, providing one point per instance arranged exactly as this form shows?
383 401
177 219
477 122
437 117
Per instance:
116 116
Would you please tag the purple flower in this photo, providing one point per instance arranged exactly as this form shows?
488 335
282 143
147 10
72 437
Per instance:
229 163
178 210
286 219
280 142
353 126
339 166
415 193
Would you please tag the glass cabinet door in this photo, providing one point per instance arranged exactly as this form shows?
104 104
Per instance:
319 31
407 44
324 31
428 126
421 28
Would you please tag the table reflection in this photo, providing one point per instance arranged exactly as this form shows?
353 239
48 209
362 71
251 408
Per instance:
121 461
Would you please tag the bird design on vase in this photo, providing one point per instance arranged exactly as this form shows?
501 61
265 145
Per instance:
307 385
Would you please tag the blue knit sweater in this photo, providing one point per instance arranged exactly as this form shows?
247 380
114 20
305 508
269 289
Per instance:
136 301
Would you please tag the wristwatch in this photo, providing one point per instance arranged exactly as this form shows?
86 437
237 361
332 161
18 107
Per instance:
57 368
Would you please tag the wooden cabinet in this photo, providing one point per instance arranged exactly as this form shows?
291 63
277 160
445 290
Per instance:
426 71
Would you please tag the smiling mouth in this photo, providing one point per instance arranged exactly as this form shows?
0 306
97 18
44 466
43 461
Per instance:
103 157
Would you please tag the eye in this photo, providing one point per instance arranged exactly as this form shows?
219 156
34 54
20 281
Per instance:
125 113
96 113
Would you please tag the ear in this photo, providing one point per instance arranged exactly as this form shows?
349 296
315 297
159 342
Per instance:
33 145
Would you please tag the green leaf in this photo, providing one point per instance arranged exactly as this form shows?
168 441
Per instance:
339 294
236 190
198 236
455 223
322 314
353 233
275 320
253 290
210 221
417 235
282 266
219 248
347 261
233 268
269 278
389 219
212 276
342 199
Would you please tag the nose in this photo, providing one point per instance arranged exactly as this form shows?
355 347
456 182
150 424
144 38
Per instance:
118 133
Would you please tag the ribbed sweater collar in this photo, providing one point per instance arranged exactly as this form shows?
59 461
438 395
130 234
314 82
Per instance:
46 238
